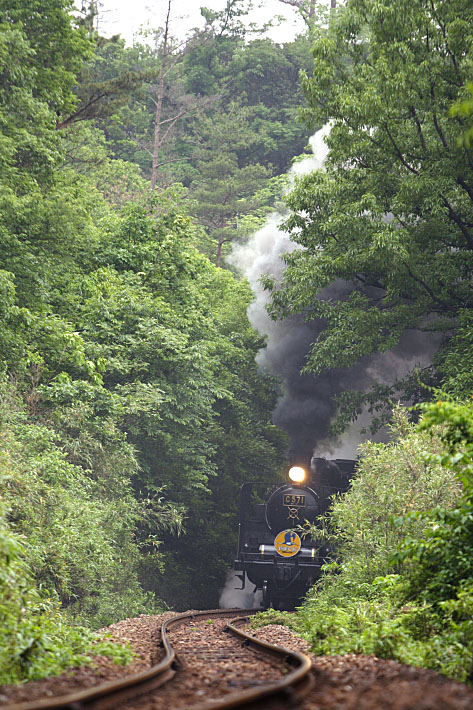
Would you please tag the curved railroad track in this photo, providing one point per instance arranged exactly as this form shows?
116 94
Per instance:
294 668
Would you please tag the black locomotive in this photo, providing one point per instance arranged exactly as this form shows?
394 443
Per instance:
271 553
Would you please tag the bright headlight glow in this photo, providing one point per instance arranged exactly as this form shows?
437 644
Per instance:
297 474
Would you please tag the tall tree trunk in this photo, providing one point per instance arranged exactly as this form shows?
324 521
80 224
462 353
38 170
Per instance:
159 102
302 6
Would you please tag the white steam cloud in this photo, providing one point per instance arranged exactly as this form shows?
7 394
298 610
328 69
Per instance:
233 597
306 407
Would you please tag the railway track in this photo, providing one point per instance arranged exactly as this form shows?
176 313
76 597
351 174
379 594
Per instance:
293 668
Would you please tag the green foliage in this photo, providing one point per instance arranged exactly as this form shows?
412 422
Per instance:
131 406
58 47
457 364
401 583
391 213
464 109
107 83
272 616
26 121
227 190
440 564
392 480
37 637
41 51
142 369
137 353
194 404
253 71
220 65
79 532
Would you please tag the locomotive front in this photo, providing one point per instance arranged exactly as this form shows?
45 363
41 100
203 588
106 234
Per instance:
272 553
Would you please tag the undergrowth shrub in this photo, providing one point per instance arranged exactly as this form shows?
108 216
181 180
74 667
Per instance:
80 541
401 582
36 638
69 553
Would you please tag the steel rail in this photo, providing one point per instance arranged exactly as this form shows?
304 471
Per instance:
277 695
112 693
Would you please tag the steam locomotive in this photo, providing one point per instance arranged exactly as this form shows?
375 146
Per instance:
272 554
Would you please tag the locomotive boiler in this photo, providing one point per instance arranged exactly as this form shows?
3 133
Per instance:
272 553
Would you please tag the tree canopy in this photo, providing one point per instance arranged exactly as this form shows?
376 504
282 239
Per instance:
132 407
392 212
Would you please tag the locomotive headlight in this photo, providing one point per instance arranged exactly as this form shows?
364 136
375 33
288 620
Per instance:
297 474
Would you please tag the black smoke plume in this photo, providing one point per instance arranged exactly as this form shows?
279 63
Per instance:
306 408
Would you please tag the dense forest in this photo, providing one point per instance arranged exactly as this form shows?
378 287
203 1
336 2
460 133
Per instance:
132 406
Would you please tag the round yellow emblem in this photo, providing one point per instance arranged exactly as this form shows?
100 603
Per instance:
287 543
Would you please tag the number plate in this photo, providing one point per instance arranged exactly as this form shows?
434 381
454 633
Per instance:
294 499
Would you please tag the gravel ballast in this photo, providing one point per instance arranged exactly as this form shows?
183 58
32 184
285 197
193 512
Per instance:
349 682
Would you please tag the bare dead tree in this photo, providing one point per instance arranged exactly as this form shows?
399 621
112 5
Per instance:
159 100
184 104
307 8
